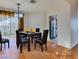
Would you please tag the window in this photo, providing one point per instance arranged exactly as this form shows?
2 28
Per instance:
53 27
9 24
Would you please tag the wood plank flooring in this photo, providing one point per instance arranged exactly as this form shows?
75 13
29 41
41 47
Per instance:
53 52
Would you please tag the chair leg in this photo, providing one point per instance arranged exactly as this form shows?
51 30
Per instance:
46 46
1 46
34 44
17 45
20 48
4 44
42 48
8 45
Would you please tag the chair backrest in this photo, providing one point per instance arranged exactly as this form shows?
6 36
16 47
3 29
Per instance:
17 36
17 33
37 29
20 29
0 36
45 35
38 35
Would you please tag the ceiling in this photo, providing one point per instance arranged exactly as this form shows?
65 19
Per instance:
26 6
72 1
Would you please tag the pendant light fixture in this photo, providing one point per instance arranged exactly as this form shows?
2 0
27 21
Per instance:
33 1
18 4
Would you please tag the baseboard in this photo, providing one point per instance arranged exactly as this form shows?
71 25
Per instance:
65 45
74 44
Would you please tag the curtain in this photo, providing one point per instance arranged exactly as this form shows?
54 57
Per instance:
6 13
8 22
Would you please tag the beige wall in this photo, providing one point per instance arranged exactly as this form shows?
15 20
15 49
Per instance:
73 6
74 21
74 31
26 21
36 20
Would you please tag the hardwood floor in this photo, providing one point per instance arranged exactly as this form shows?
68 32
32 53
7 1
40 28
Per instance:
53 52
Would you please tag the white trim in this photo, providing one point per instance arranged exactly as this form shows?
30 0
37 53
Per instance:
65 45
74 44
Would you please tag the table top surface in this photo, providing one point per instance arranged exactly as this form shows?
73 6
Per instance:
30 32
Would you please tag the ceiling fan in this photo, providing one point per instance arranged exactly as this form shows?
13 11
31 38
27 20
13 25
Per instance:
33 1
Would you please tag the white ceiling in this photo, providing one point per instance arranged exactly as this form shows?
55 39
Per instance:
26 6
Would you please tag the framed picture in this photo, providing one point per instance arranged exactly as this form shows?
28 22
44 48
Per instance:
53 27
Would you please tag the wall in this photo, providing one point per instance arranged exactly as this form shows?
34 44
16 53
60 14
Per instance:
74 31
36 20
73 6
63 24
26 21
67 23
74 21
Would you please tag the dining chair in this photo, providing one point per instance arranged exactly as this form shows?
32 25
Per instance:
17 38
37 29
20 29
42 40
35 36
3 41
20 39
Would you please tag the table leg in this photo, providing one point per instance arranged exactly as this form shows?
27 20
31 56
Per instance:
28 43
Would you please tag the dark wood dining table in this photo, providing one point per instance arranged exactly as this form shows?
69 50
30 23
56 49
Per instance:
30 34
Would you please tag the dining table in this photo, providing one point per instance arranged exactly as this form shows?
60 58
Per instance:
30 34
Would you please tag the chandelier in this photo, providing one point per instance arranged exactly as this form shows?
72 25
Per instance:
18 4
33 1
